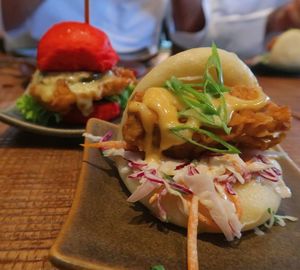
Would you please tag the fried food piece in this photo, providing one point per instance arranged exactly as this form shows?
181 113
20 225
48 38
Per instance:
115 84
260 129
133 130
252 130
62 97
244 92
59 92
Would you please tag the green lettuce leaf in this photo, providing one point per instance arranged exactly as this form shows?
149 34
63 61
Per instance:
157 267
122 98
34 112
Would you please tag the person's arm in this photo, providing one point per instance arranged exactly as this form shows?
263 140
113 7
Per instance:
284 17
15 12
188 15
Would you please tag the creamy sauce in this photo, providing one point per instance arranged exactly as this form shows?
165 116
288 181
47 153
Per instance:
85 92
236 104
159 107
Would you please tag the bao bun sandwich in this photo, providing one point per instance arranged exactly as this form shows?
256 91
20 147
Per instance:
284 50
193 145
76 77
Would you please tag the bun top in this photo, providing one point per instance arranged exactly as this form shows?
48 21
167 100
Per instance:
285 50
75 46
192 63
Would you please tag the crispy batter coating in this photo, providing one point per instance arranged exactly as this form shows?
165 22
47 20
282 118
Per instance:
244 92
260 129
115 84
133 130
62 97
56 94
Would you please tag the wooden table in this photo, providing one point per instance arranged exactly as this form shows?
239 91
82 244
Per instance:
38 176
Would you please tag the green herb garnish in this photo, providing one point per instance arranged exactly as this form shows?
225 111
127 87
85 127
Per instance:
168 177
277 219
229 149
204 101
34 112
122 98
157 267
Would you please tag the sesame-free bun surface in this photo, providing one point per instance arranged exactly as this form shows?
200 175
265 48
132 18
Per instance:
285 52
192 63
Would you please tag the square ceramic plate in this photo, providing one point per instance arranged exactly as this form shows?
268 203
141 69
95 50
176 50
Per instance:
103 231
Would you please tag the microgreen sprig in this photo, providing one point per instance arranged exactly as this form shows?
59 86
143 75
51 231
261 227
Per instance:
198 99
216 88
277 219
229 149
158 267
201 102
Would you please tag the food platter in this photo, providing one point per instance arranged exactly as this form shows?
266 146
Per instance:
103 231
11 116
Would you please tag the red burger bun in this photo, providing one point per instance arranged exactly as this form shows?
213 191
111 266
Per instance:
75 46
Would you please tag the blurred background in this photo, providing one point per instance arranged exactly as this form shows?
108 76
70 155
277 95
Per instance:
139 28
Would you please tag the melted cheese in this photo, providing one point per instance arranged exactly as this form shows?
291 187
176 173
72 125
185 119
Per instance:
159 107
85 92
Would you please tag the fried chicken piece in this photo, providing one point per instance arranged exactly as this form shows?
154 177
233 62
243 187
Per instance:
54 90
133 130
244 92
252 130
62 97
260 129
115 84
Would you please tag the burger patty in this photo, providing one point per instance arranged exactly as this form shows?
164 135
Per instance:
260 129
59 91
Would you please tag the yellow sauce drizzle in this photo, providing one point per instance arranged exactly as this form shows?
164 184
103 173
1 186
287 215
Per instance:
160 107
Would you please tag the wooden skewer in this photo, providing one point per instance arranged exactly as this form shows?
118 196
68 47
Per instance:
87 11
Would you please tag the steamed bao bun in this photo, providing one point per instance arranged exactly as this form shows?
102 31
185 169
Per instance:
285 52
255 198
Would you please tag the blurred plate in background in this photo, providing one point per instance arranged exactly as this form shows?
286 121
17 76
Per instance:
11 116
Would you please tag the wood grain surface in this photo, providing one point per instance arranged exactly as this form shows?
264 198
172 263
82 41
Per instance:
38 174
38 178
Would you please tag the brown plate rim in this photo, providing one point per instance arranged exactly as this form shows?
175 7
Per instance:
55 256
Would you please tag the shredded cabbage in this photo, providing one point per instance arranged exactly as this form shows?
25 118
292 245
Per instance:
277 219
